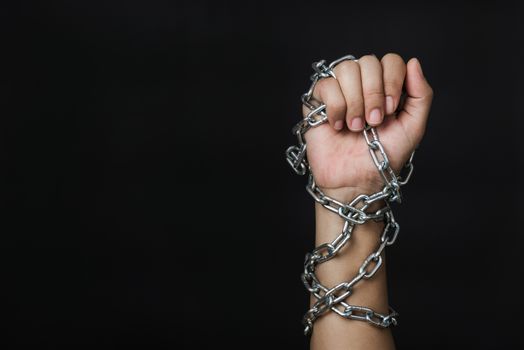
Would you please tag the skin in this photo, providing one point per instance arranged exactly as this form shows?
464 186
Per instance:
368 90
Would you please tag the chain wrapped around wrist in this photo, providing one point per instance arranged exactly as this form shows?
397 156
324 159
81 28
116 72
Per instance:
353 213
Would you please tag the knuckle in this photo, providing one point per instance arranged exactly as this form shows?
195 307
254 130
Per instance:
392 86
355 101
372 94
368 58
338 104
346 67
391 56
337 107
430 92
322 90
321 85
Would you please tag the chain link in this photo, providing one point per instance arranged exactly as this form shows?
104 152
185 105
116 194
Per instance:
353 213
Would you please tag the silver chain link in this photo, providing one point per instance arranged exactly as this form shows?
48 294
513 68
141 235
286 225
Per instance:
353 213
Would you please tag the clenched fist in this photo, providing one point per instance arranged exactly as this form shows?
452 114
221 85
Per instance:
366 91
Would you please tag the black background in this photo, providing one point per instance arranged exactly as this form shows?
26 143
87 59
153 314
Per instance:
147 200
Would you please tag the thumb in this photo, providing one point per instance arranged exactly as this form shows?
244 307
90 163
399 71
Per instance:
416 108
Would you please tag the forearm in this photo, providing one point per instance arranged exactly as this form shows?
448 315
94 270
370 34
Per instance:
332 331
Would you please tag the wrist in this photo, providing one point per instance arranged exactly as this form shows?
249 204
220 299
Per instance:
346 195
330 224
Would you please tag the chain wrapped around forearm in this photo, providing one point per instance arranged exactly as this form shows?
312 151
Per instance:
353 213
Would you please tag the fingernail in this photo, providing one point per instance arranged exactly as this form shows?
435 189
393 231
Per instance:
375 116
389 104
357 124
339 124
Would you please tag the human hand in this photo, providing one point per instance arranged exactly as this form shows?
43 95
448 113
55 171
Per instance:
366 91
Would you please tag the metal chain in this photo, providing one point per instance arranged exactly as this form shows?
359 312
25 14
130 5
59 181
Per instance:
353 213
334 298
